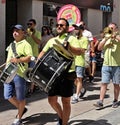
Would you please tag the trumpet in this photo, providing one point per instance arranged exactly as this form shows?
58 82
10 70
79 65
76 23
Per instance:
30 31
108 32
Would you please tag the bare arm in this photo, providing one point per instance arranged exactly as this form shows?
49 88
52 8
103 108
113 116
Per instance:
76 51
92 46
41 54
117 37
35 39
101 44
21 59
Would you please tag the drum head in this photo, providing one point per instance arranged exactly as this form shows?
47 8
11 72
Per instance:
11 70
60 49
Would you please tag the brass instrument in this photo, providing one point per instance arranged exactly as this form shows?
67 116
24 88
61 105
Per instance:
108 32
30 31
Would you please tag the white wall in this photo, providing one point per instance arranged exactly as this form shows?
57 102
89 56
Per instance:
94 20
24 11
116 13
37 12
2 33
30 9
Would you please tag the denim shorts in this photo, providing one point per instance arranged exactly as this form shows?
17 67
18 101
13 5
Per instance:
79 71
111 73
93 59
31 64
15 88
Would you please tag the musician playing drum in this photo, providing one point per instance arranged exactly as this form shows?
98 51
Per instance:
63 87
18 84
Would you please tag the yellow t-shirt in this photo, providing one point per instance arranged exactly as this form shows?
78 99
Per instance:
72 41
80 60
23 48
34 45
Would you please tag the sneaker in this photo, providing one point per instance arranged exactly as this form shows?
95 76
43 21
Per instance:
17 122
115 104
25 110
74 100
91 79
59 121
28 94
82 93
99 104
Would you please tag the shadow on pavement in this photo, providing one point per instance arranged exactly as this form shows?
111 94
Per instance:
40 119
93 97
5 105
89 122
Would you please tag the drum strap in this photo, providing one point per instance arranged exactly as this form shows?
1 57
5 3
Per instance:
15 54
14 50
66 43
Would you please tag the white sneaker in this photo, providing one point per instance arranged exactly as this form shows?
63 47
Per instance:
58 123
74 99
17 122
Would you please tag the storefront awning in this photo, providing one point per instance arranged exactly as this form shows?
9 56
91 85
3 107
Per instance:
103 5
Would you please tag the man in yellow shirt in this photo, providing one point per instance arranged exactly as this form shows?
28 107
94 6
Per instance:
62 88
18 84
34 38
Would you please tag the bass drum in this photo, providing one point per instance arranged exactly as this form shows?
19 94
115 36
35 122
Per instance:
49 68
8 73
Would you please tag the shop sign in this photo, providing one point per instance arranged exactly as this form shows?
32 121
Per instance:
71 13
105 8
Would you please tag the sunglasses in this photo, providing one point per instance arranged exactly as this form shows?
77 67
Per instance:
29 24
44 29
61 25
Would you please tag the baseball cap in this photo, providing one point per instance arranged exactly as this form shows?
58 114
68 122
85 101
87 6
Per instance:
18 26
78 26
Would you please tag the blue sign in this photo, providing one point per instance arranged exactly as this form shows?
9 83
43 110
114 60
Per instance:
105 8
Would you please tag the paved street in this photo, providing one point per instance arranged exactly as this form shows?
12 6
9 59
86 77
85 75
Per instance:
83 112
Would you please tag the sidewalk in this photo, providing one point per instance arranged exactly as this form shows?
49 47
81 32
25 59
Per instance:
83 112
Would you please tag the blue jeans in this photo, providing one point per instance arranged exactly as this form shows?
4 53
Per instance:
15 88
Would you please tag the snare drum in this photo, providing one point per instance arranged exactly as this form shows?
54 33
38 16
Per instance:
49 68
8 73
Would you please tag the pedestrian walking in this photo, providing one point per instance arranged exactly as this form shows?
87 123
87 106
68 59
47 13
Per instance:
33 36
79 63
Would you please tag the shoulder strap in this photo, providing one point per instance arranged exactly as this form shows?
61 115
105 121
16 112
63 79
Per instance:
14 49
66 39
15 53
66 43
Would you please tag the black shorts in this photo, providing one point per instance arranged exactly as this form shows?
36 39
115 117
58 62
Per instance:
62 87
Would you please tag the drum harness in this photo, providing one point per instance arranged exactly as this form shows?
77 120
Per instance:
10 70
17 56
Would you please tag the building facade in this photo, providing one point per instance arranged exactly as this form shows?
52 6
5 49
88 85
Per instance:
95 13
